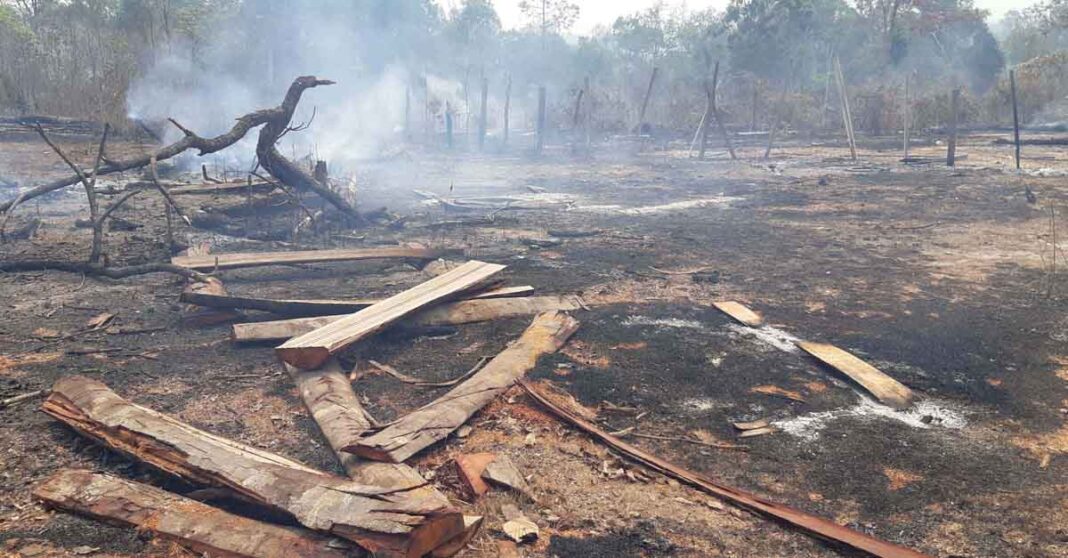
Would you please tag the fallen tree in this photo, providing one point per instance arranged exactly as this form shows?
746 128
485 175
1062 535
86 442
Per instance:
277 121
387 522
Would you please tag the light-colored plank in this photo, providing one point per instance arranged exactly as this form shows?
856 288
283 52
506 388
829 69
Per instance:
200 527
210 262
450 313
312 349
431 423
740 312
883 387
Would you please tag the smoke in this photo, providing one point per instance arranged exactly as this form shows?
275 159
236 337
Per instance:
248 59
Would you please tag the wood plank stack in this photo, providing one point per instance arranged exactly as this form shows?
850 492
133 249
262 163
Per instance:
313 348
383 506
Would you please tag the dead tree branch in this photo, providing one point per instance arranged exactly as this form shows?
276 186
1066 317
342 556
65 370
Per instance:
163 191
90 188
283 169
98 270
281 114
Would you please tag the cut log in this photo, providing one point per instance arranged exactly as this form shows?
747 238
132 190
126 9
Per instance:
312 349
211 262
384 521
314 307
820 527
740 312
412 433
200 527
886 389
328 396
453 313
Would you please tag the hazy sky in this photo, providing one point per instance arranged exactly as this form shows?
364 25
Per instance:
604 12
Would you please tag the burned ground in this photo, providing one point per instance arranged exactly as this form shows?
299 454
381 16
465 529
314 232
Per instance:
940 277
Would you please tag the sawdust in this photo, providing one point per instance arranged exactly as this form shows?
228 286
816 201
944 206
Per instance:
899 478
1042 445
1062 363
9 364
778 392
625 291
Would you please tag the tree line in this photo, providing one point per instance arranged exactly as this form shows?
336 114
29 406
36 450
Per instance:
80 58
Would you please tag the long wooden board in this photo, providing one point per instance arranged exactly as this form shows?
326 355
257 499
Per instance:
312 349
883 387
315 307
200 527
211 262
450 313
810 523
419 429
384 521
328 396
740 312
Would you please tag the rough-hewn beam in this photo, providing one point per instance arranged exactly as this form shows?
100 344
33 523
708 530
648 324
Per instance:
415 431
200 527
384 521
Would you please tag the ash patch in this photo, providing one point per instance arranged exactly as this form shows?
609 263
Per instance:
769 336
662 322
927 413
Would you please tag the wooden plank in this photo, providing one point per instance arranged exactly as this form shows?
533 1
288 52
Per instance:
812 524
314 307
213 287
451 313
383 521
418 430
883 387
199 527
311 350
328 396
204 188
740 312
211 262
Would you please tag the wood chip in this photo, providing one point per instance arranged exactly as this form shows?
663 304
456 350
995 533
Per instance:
503 472
752 425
